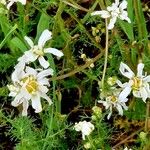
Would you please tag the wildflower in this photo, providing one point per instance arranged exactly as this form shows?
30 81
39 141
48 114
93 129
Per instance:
38 51
114 100
113 12
127 148
23 2
30 85
138 84
85 127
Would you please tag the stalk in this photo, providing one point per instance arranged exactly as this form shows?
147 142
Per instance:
106 54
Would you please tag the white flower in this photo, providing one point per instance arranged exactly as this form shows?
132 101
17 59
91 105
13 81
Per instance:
38 51
85 127
127 148
138 84
11 2
30 85
114 100
113 12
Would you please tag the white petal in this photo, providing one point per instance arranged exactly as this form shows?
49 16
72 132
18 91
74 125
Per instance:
22 62
30 71
43 81
53 51
123 5
116 2
43 89
123 95
45 36
119 83
144 94
124 16
47 98
18 99
124 106
136 94
103 13
25 107
10 4
120 110
45 73
29 41
112 22
36 103
30 56
43 62
147 79
126 71
140 70
110 113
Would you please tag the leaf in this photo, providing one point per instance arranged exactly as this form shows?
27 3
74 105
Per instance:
19 44
128 27
7 36
42 25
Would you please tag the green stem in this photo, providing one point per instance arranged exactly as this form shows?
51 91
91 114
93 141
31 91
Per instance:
106 54
91 142
147 117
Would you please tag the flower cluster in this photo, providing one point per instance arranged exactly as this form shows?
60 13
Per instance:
85 127
138 85
113 12
113 99
29 83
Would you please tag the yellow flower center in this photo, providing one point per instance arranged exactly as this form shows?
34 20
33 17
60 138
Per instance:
31 84
113 98
137 83
38 51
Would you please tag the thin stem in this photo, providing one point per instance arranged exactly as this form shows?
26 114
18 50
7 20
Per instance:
126 139
147 117
78 68
106 54
91 142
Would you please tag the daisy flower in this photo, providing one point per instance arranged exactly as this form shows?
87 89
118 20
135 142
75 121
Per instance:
38 51
31 85
85 127
113 12
138 84
113 100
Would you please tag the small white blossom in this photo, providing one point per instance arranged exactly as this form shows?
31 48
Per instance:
29 85
38 51
138 84
11 2
113 100
85 127
113 12
127 148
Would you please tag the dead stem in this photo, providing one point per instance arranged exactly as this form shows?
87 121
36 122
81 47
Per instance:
106 54
79 68
130 136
